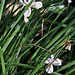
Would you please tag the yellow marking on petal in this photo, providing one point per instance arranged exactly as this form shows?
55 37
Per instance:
48 61
50 66
55 61
28 9
25 3
32 4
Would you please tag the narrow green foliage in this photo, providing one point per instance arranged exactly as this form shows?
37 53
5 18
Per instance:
24 47
66 66
2 61
1 8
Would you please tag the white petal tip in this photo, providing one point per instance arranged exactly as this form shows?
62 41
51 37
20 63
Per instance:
26 20
38 5
22 2
61 6
46 62
52 56
41 5
69 1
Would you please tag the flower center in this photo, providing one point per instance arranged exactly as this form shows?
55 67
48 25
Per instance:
26 5
30 5
50 66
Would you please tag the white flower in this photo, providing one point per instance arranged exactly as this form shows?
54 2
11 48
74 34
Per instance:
68 47
67 44
61 6
69 1
52 62
33 5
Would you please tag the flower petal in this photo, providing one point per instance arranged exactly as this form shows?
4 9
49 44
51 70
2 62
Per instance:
62 6
22 2
49 69
26 2
29 1
26 19
68 47
57 62
52 56
28 12
37 5
69 1
48 61
34 1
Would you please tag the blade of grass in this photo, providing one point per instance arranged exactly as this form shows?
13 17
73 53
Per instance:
22 65
1 8
56 37
66 66
57 17
55 73
10 39
19 19
69 72
61 33
2 61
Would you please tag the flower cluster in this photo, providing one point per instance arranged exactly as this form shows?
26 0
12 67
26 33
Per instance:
34 4
51 61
